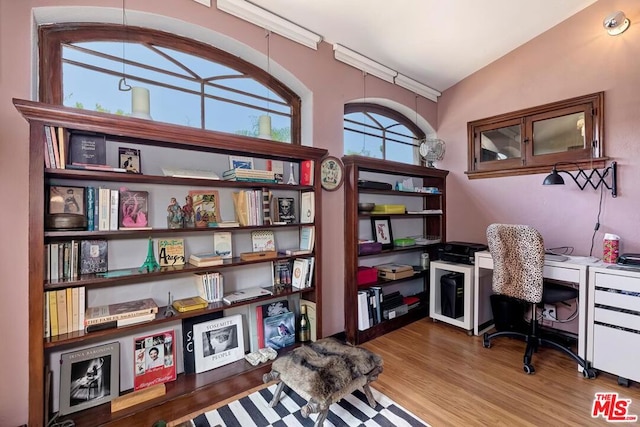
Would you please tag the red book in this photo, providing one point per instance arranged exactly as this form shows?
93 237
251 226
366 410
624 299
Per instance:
306 172
154 359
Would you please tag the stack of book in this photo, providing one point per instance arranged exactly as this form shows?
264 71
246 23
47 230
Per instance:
64 311
205 259
120 314
249 175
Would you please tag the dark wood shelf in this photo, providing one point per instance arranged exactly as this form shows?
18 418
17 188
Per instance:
386 282
386 326
396 215
414 248
396 192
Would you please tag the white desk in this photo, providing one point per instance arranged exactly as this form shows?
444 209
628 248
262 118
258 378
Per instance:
573 270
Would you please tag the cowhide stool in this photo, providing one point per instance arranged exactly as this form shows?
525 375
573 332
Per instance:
324 372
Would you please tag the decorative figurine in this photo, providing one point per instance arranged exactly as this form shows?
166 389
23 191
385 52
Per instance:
292 179
188 213
150 264
175 214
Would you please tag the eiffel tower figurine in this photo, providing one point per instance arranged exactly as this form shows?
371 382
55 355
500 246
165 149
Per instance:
150 264
292 179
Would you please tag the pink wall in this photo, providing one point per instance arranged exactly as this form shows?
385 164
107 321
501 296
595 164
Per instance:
575 58
331 82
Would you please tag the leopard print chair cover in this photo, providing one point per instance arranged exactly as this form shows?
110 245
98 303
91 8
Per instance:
518 261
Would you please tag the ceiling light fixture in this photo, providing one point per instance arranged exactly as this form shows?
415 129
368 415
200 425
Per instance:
616 23
269 21
417 87
554 177
363 63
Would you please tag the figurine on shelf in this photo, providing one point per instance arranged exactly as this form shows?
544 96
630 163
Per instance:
188 213
175 214
292 179
150 264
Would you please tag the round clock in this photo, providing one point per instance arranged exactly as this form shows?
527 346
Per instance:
331 173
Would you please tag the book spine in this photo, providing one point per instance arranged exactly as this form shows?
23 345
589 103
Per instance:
63 147
61 300
47 316
54 261
113 212
75 314
91 206
69 296
306 172
97 320
52 157
105 208
82 306
53 313
54 142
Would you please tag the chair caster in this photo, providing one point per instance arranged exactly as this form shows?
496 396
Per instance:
485 342
589 373
528 369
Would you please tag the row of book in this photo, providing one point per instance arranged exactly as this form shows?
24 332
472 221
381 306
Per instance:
249 175
54 147
252 207
64 311
374 306
210 286
109 209
302 272
65 260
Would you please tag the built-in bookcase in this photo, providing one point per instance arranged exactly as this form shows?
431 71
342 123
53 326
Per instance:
169 146
422 214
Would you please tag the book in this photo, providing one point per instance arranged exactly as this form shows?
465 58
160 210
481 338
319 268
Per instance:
210 286
188 351
205 259
309 278
170 252
306 172
121 310
247 173
91 205
277 167
280 330
113 210
299 272
104 209
100 168
47 315
206 207
268 310
281 273
263 240
313 317
134 211
61 303
87 149
75 306
227 224
307 237
53 312
143 318
54 142
284 210
246 294
130 159
49 158
218 342
222 244
63 147
93 256
154 359
307 207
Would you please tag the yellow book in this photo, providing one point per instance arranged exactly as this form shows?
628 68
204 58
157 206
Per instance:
61 296
53 312
63 148
75 310
69 309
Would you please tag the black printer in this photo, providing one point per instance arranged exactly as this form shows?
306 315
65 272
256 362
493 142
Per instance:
460 252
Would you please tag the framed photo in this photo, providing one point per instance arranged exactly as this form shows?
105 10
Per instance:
218 342
331 173
239 162
381 228
206 207
154 359
66 200
89 377
130 159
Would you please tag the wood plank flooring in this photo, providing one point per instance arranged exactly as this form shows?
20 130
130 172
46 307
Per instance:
447 378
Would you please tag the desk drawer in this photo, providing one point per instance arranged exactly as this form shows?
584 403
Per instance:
562 273
622 283
618 318
617 300
616 352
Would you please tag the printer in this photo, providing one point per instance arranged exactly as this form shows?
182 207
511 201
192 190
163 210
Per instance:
460 252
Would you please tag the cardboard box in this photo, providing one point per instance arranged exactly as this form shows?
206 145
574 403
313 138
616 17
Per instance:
394 271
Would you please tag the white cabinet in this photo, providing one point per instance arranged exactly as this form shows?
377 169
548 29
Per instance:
436 309
613 335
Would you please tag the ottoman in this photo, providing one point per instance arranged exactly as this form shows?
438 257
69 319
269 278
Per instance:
324 372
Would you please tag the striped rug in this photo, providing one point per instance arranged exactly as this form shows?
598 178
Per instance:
254 411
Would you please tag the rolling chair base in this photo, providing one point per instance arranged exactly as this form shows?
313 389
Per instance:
533 342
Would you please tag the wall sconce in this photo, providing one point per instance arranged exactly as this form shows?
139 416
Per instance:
598 177
616 23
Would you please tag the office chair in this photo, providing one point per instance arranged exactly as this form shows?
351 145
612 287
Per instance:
518 263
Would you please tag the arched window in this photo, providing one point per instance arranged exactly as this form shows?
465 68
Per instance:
190 83
376 131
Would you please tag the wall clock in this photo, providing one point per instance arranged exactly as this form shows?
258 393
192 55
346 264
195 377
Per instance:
331 173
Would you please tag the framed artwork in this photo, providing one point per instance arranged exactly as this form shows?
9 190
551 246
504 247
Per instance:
239 162
130 159
68 200
381 228
218 342
206 207
89 377
331 173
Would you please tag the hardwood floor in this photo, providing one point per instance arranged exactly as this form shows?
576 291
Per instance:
447 378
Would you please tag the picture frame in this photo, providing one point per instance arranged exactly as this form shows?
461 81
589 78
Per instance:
206 207
240 162
218 342
68 200
89 377
130 160
331 173
381 229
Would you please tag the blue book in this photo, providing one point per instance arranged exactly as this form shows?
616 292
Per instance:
91 207
280 330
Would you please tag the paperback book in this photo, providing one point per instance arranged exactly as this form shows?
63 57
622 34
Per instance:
170 252
93 256
121 310
134 211
154 359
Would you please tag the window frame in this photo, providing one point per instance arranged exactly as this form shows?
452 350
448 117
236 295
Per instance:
592 156
52 36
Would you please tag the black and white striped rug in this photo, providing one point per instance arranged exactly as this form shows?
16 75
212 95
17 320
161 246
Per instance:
353 410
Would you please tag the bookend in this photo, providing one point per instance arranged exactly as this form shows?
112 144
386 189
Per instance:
150 264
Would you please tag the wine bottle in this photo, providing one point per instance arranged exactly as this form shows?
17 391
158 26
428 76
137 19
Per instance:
304 331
